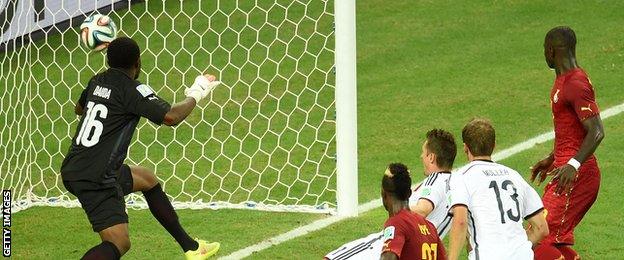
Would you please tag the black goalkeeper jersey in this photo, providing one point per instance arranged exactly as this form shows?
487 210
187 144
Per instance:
112 105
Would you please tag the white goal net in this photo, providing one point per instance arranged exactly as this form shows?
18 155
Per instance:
266 139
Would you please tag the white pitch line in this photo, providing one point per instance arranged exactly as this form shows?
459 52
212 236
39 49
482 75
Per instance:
368 206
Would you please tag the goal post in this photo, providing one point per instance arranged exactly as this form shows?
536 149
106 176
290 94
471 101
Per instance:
280 133
346 109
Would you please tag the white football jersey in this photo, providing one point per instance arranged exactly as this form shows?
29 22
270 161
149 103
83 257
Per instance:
498 200
435 189
364 248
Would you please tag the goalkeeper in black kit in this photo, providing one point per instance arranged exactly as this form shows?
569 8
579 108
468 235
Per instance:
94 171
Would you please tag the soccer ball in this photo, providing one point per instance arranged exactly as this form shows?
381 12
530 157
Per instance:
97 31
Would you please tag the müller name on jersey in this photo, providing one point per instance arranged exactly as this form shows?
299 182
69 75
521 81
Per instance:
496 172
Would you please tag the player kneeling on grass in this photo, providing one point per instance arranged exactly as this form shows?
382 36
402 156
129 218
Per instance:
489 201
93 170
406 234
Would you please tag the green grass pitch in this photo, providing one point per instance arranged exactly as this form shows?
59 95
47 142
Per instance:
421 64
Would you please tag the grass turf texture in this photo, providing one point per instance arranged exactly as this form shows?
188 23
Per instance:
420 65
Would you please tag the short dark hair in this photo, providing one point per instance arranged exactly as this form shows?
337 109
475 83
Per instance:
399 184
123 53
442 144
479 136
562 36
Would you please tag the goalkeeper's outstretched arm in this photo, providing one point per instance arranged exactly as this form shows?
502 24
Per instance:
199 90
202 86
179 111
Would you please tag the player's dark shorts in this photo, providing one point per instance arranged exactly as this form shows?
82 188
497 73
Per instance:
104 203
564 212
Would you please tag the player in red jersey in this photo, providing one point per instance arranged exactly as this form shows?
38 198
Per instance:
578 132
406 235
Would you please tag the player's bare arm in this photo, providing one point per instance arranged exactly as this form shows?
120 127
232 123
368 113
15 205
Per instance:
179 111
423 207
199 90
78 109
389 256
459 231
567 172
541 168
537 228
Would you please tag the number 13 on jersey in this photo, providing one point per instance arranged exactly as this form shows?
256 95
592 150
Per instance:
92 128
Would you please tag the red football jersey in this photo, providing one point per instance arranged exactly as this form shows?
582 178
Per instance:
572 100
410 236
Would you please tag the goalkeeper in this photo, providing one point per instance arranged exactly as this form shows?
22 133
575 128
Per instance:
94 170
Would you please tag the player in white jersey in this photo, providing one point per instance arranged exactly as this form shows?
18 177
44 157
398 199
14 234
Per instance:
362 249
432 196
489 202
429 199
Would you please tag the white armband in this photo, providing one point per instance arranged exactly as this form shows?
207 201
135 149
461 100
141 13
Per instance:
576 164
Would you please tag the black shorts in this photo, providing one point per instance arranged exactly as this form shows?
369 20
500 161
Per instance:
104 203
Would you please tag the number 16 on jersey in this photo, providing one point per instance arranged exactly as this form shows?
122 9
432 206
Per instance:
92 128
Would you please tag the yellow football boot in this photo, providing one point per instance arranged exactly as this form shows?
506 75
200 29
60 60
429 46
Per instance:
204 250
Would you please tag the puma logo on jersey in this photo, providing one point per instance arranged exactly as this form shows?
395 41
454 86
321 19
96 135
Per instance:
588 108
102 92
556 96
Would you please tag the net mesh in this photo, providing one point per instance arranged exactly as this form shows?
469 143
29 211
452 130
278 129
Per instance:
265 139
